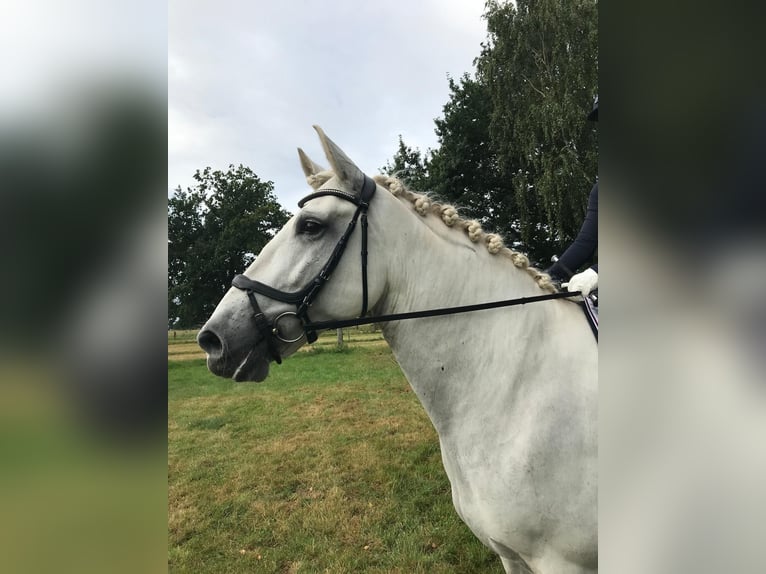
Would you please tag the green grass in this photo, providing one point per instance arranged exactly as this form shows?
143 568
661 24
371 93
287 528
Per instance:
330 465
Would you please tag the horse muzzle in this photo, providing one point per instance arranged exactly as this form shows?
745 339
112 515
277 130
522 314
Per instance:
248 361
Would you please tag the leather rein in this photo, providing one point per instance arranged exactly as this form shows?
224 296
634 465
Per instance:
303 298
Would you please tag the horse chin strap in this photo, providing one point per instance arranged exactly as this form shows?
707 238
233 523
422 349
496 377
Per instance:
305 297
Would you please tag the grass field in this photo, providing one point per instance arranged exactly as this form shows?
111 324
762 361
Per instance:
330 465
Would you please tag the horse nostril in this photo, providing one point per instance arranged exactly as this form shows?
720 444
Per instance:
210 343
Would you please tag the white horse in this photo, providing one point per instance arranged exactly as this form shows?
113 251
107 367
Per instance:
511 392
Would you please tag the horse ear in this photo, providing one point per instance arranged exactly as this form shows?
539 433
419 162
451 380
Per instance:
343 167
309 167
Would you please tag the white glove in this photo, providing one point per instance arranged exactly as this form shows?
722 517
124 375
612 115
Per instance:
584 282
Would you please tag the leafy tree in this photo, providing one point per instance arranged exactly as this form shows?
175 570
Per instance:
409 165
215 228
540 65
515 151
464 169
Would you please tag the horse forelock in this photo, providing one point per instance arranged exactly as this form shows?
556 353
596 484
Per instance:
425 206
319 179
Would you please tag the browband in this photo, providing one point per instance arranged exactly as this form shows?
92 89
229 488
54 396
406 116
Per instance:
364 197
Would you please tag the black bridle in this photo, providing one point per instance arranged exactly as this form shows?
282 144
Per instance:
302 299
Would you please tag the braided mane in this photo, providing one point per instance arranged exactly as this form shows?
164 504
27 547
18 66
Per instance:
424 206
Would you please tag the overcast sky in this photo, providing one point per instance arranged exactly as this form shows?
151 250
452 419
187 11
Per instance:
246 81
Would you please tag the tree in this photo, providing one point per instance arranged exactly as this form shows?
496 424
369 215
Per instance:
409 165
540 65
515 150
215 228
463 169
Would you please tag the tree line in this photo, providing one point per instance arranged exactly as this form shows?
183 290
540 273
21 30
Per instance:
514 148
514 152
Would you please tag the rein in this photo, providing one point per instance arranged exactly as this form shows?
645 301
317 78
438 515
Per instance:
303 298
436 312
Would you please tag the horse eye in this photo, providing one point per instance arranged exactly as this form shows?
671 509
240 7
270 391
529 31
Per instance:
310 227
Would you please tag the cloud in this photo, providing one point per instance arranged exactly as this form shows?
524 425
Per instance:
262 74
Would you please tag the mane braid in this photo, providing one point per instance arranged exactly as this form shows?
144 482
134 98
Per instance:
449 215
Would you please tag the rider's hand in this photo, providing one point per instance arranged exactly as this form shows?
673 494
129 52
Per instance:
584 282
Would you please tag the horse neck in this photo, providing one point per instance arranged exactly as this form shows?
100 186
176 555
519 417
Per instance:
446 359
446 269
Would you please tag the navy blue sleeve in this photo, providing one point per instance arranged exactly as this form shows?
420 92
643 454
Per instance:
585 244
